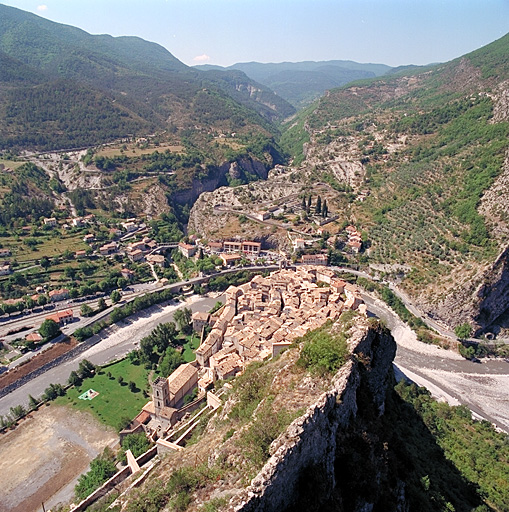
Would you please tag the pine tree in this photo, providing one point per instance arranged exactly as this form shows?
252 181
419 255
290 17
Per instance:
32 402
304 207
309 204
325 209
318 208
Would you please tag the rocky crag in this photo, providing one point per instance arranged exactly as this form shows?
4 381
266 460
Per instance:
302 473
307 461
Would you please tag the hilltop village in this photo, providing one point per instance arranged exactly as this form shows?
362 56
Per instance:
259 319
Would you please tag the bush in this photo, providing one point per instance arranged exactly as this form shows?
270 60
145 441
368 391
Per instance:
101 469
137 443
323 351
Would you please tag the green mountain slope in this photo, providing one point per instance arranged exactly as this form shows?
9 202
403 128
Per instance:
302 82
139 86
432 143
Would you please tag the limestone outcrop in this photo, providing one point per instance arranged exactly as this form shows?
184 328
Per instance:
483 300
302 468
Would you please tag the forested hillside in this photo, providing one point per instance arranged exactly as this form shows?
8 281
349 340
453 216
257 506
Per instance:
63 88
302 82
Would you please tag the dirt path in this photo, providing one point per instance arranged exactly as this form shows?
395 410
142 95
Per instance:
45 453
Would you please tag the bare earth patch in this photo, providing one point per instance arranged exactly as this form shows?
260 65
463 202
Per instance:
46 452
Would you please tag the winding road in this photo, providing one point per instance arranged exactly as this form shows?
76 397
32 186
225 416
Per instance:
480 386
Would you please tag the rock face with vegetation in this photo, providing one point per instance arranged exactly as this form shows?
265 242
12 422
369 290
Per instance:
302 471
428 147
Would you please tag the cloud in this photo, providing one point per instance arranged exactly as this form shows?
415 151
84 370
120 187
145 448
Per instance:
42 7
202 58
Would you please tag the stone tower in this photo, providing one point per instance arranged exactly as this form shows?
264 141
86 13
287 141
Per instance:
160 394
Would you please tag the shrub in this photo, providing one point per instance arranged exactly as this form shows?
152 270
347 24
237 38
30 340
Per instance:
323 351
101 469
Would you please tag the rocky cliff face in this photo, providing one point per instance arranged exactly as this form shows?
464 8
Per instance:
302 473
482 300
234 169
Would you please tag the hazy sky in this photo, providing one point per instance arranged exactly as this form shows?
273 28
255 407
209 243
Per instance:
393 32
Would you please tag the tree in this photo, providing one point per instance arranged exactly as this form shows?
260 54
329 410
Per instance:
49 329
101 469
101 304
45 262
32 402
171 360
304 202
132 386
183 318
463 331
137 443
86 369
115 296
86 310
325 208
318 208
74 379
120 379
52 391
18 412
308 208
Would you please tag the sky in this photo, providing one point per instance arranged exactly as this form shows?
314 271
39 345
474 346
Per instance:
224 32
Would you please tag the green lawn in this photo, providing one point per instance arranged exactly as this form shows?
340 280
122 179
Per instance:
190 346
114 401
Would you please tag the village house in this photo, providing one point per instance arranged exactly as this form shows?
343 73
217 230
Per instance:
299 243
136 246
5 269
200 320
156 259
127 273
262 215
251 248
77 222
108 249
315 259
4 253
136 255
34 337
80 254
215 247
89 238
232 246
230 259
62 317
129 226
186 249
56 295
51 222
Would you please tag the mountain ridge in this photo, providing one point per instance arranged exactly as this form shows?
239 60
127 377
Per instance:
302 82
141 80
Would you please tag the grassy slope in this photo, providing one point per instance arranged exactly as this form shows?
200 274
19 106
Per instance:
425 190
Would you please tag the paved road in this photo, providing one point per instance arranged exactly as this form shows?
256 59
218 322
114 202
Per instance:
122 341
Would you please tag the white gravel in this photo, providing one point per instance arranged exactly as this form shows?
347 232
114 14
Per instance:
138 328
